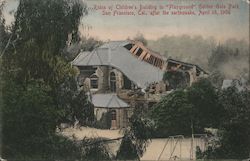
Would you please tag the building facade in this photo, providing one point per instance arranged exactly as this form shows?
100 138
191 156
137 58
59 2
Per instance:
122 74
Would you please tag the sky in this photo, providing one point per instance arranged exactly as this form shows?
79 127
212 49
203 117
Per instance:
235 25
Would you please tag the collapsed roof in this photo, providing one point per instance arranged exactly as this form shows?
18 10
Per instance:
115 54
147 68
185 66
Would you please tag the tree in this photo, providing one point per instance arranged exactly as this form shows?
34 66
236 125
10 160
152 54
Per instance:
207 109
1 14
216 78
127 150
2 27
196 106
173 115
36 76
85 44
224 59
29 117
234 126
235 142
95 149
39 39
136 136
74 103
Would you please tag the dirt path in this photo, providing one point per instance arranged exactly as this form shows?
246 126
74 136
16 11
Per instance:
80 133
181 149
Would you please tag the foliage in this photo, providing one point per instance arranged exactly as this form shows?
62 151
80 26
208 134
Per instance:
47 17
216 78
136 136
220 55
89 44
234 138
54 147
105 121
71 101
207 109
85 44
2 3
235 142
29 115
127 150
231 60
39 85
30 118
196 106
198 153
38 39
2 28
95 149
210 153
173 115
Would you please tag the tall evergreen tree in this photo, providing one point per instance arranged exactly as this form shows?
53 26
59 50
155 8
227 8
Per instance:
36 78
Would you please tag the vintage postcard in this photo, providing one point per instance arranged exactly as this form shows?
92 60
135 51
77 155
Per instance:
125 80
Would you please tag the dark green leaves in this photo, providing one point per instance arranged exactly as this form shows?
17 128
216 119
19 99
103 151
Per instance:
173 114
204 106
136 136
36 78
198 104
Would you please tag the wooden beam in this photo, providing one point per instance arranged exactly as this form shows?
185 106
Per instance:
143 55
133 48
136 50
147 56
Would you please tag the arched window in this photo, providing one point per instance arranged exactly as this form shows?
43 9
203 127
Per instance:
112 82
94 82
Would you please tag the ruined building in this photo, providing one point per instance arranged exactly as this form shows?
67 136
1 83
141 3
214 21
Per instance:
120 74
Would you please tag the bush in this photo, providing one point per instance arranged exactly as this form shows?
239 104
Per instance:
104 122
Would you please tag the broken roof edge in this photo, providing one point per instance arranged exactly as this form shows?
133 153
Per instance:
144 84
122 43
197 66
75 62
154 53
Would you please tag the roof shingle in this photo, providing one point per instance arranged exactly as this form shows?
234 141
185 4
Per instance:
108 101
